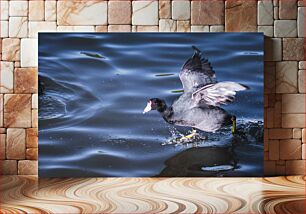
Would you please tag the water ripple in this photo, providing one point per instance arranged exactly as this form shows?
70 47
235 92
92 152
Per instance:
97 85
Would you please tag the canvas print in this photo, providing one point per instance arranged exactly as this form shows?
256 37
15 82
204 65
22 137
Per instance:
151 104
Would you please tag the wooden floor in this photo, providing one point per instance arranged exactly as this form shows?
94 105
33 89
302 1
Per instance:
167 195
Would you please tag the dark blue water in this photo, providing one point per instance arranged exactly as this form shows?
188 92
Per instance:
95 87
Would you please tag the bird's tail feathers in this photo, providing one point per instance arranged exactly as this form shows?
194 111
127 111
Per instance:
197 51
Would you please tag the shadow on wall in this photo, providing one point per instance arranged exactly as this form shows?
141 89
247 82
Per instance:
280 125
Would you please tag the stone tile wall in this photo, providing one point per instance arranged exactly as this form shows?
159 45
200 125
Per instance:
282 21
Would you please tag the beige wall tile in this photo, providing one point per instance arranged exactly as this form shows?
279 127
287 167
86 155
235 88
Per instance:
180 10
290 149
32 138
119 28
287 9
275 13
301 83
301 21
15 143
293 103
275 3
240 15
119 12
301 3
2 146
285 28
17 64
267 30
134 28
27 167
297 133
295 167
4 29
8 167
17 110
26 80
199 28
36 10
50 10
145 13
303 151
286 77
274 150
75 29
278 114
207 12
34 118
183 26
265 12
302 65
1 110
147 28
32 154
216 28
281 162
101 28
74 12
167 25
293 120
18 27
6 77
35 101
293 49
164 9
11 49
18 8
36 26
280 133
29 50
4 12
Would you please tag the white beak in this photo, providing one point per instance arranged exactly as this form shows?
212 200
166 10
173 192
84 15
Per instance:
147 108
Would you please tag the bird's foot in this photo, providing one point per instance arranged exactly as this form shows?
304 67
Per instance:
190 136
194 137
233 124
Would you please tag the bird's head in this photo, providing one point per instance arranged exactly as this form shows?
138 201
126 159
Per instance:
155 104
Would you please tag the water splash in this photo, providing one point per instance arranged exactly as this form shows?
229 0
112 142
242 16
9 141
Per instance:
248 131
177 138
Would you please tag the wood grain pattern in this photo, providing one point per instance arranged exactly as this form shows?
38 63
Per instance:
153 195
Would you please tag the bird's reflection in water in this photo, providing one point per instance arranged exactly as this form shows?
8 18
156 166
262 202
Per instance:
232 158
201 161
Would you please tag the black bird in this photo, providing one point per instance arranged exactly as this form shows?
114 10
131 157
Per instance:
198 107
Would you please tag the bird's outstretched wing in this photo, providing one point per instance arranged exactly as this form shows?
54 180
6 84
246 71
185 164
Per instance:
218 93
196 72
